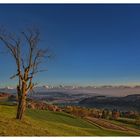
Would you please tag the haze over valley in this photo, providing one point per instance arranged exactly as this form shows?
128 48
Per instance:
106 90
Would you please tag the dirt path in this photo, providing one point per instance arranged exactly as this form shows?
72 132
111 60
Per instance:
109 125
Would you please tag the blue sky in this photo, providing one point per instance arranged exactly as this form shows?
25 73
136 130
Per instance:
93 44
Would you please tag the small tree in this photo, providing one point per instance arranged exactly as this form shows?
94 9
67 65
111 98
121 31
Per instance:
27 65
115 114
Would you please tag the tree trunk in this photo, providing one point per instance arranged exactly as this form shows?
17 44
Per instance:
21 103
21 108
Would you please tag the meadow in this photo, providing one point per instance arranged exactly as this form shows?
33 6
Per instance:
48 123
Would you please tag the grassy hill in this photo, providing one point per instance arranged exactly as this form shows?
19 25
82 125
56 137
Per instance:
47 123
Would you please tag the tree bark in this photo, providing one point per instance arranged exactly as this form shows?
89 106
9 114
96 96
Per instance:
21 103
21 108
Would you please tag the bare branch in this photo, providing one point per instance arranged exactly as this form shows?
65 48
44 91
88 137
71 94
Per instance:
15 75
23 64
38 71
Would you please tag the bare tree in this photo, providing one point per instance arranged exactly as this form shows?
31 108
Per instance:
27 66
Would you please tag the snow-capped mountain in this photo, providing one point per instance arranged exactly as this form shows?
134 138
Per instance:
8 89
100 90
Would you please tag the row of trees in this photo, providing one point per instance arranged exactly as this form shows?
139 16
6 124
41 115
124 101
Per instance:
28 55
97 113
102 113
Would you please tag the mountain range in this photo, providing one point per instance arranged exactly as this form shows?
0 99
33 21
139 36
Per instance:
106 90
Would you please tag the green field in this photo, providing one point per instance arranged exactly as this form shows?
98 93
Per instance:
47 123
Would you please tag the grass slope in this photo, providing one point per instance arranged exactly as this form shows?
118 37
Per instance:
46 123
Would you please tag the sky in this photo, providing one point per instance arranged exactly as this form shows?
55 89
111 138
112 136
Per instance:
93 44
